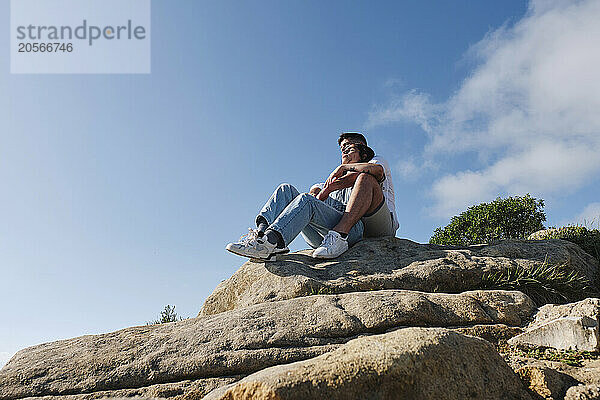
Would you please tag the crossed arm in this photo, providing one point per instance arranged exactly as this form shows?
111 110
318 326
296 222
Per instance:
345 175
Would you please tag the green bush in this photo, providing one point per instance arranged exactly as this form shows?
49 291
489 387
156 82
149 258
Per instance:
510 218
166 315
587 239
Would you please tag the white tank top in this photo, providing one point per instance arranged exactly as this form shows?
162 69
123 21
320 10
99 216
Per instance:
387 186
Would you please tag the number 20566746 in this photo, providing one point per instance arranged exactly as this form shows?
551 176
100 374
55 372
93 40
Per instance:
45 47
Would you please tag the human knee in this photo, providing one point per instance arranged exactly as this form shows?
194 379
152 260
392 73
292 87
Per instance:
366 180
285 187
287 191
306 198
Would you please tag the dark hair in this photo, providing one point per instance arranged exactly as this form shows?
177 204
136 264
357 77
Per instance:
353 137
365 152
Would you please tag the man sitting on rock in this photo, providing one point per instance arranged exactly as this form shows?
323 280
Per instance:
356 200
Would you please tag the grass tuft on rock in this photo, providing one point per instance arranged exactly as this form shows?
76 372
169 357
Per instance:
569 357
587 239
544 284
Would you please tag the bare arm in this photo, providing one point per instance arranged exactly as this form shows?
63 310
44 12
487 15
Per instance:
345 181
373 169
370 168
345 175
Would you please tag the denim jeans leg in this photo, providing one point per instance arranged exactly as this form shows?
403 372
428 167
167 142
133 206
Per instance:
279 200
314 234
307 210
338 200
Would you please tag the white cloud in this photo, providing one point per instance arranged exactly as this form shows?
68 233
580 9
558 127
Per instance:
412 106
548 166
589 217
531 105
407 169
410 169
393 82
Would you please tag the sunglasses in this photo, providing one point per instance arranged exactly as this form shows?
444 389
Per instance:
349 149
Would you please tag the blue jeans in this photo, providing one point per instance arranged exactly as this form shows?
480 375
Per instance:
289 212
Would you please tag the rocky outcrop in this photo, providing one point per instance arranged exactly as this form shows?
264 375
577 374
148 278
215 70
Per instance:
345 328
242 341
412 363
583 392
551 379
546 382
390 263
495 333
574 326
175 390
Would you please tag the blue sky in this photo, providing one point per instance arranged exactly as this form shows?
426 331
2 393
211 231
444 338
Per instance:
120 191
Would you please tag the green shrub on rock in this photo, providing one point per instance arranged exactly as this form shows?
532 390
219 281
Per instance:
166 315
510 218
588 240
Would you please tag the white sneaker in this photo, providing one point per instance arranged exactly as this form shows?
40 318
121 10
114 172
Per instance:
255 247
332 246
